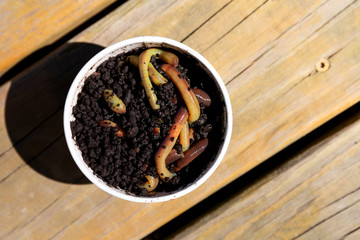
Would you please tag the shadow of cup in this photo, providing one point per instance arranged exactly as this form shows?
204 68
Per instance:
34 112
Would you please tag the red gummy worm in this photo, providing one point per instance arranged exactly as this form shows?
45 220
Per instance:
191 154
187 94
168 143
173 156
202 97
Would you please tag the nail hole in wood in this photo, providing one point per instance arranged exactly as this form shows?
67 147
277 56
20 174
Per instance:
322 65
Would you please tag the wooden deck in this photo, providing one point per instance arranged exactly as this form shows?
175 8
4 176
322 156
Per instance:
265 51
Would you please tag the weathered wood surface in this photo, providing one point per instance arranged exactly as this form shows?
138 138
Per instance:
264 50
314 195
27 26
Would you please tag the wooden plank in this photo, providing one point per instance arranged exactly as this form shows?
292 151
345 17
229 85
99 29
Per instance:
30 25
267 116
314 195
261 42
32 191
177 19
63 65
217 179
67 61
283 90
231 16
41 137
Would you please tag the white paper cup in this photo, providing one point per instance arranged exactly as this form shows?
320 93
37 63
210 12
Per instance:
123 47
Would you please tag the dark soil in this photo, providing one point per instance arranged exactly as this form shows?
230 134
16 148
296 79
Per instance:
124 162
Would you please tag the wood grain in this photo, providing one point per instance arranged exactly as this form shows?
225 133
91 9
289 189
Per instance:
27 26
314 195
266 56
